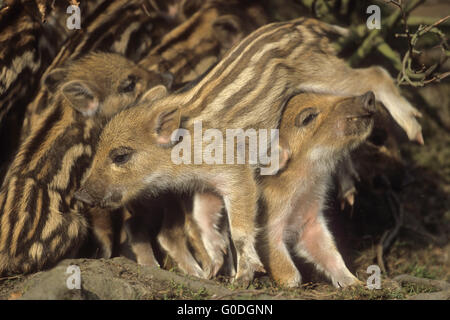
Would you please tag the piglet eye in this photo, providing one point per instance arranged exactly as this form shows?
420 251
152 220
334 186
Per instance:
128 85
121 158
121 155
305 117
308 119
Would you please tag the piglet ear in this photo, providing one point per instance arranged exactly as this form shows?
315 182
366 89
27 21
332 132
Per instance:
155 93
53 79
166 123
284 153
81 97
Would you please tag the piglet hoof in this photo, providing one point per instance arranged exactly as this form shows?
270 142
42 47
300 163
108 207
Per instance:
244 277
147 261
246 272
106 253
217 265
194 270
413 129
243 280
346 281
208 271
212 269
419 138
289 281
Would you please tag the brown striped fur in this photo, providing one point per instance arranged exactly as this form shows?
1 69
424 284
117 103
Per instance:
40 221
29 42
198 43
129 28
25 53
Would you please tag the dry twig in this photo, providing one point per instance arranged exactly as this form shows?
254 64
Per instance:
389 236
418 77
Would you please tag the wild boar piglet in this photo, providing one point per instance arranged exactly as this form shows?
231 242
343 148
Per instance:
317 132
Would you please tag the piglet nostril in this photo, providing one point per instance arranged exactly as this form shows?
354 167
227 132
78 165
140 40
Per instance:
368 100
83 196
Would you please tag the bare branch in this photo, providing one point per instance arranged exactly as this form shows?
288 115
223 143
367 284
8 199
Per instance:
420 76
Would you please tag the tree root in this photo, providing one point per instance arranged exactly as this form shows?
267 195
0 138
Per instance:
443 285
389 236
406 278
441 295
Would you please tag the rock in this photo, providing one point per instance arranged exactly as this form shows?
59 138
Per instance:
50 285
123 279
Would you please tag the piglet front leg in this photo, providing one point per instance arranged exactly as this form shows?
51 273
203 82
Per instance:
241 197
207 209
316 244
276 257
